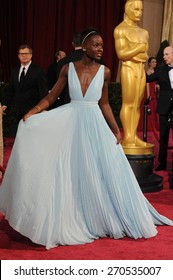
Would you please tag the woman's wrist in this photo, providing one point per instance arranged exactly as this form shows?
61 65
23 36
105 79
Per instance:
38 109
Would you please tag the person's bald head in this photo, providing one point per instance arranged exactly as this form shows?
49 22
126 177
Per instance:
168 55
59 55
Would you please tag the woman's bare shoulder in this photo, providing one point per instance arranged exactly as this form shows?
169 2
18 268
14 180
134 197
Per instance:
107 72
64 70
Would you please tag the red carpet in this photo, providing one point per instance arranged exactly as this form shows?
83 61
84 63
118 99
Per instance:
13 246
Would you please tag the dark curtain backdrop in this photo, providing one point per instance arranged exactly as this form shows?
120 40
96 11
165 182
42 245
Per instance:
48 25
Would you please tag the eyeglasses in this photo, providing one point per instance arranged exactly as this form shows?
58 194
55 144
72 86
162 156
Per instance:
24 53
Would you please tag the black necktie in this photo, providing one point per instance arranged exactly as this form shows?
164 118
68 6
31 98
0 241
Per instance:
22 76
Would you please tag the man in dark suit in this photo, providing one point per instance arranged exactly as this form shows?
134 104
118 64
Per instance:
28 84
53 69
164 76
53 74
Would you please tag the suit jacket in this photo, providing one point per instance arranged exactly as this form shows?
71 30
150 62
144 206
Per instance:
52 74
75 55
166 93
26 94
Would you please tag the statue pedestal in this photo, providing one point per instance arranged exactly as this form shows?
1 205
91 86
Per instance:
144 149
142 166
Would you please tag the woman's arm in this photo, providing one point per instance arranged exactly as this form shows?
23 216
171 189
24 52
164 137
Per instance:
52 96
148 90
105 106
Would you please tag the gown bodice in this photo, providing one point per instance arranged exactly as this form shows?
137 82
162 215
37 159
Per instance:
94 90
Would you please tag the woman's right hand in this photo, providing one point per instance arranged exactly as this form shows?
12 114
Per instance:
31 112
27 115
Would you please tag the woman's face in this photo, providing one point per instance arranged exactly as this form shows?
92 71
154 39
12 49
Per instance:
94 47
153 63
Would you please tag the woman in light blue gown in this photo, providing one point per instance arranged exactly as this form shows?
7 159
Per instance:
68 181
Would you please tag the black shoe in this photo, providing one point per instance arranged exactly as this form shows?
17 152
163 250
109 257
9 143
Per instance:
160 167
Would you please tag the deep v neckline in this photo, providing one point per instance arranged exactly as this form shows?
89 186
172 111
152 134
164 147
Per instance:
84 94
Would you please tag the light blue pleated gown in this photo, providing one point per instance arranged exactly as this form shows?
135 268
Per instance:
67 181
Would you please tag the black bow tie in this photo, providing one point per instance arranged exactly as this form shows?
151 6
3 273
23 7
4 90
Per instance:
170 67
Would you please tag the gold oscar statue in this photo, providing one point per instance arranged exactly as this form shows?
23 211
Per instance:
131 45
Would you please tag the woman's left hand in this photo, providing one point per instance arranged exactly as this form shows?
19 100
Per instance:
118 136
